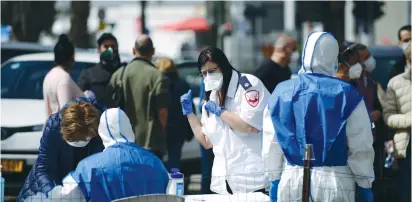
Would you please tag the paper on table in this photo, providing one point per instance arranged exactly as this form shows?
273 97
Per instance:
243 197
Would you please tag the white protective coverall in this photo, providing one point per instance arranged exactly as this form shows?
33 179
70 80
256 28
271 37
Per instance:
316 109
122 170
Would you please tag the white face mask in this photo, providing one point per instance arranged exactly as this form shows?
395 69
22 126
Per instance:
404 46
79 143
370 64
355 71
213 81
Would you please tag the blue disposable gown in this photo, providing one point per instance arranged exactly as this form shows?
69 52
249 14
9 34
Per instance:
122 170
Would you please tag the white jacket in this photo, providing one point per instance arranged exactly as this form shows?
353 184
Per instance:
397 111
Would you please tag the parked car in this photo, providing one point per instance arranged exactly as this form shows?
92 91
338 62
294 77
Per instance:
12 49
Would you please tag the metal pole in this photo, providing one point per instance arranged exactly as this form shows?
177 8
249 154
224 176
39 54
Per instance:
306 173
143 16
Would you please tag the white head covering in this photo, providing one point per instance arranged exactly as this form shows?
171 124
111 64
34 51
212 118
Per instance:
320 54
115 127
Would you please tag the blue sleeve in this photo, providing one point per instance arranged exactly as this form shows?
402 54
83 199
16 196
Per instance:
47 161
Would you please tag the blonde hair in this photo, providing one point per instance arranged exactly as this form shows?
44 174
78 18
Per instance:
79 121
165 65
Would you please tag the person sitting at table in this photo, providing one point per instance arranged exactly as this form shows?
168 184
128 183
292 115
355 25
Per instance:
122 170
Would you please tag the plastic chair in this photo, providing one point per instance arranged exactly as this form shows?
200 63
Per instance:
152 198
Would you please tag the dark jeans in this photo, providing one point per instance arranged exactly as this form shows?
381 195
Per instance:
405 177
174 151
207 157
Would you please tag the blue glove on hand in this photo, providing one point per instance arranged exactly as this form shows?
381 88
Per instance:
213 108
186 101
366 194
273 191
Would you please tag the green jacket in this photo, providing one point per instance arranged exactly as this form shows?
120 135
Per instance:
145 93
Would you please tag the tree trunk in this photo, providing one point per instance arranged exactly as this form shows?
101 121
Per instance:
79 31
34 17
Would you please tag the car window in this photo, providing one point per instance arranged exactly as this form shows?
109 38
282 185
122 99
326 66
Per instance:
24 80
383 68
9 53
190 73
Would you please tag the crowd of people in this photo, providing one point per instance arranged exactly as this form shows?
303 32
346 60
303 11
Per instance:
106 136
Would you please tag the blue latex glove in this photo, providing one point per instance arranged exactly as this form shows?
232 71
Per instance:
273 191
366 194
186 101
213 108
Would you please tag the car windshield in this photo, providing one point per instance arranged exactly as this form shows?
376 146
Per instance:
24 79
384 65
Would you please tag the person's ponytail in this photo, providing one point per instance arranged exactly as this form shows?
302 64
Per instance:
64 50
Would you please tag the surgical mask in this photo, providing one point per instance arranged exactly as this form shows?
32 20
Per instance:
355 71
370 64
404 46
109 59
79 143
213 81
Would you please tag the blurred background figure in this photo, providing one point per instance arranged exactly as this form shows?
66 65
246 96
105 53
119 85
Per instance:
146 96
367 87
97 77
177 128
58 87
404 36
397 115
275 70
348 64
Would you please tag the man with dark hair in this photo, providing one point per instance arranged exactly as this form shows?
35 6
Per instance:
404 36
97 77
145 96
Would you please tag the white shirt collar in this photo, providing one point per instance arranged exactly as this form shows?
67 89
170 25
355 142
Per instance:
234 82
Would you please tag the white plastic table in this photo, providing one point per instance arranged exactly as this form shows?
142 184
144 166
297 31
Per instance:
244 197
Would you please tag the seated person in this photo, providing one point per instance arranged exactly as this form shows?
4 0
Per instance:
122 170
65 142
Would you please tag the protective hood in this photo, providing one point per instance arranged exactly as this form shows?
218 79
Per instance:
115 127
320 54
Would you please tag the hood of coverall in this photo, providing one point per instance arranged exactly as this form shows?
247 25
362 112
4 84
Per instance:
115 127
320 54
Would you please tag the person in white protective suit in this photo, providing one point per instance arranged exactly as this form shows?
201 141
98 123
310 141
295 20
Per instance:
122 170
328 113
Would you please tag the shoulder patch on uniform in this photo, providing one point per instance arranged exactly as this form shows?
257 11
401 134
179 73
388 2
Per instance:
244 82
252 97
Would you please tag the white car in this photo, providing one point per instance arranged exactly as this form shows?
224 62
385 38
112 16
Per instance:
23 112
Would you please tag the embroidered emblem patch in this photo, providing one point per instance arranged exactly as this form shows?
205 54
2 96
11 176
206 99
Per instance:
252 97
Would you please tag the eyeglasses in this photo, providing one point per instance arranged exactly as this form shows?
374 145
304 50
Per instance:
209 71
